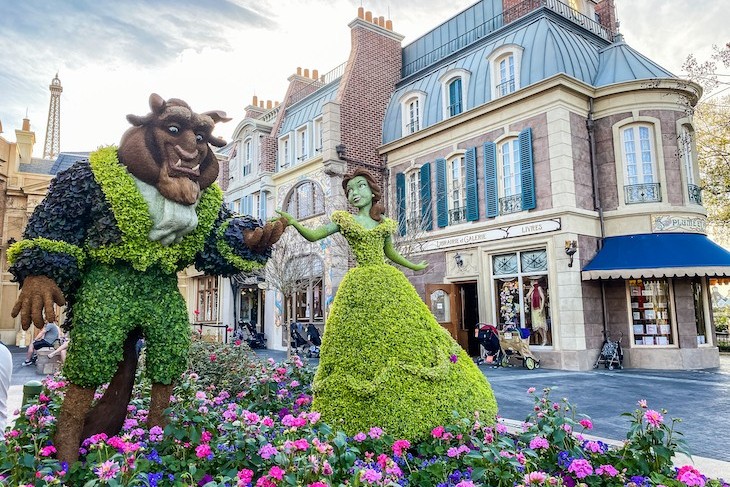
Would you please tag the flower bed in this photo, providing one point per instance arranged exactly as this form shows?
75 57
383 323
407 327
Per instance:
265 434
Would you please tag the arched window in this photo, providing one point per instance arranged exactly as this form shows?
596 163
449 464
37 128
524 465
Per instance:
641 181
247 157
412 111
305 200
454 86
505 69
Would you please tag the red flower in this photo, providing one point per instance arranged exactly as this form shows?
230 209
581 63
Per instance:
213 357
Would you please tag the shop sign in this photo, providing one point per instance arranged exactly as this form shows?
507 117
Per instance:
532 228
678 223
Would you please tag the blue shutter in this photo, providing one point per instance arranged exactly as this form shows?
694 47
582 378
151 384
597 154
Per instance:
426 206
472 193
528 172
442 204
400 201
455 97
491 193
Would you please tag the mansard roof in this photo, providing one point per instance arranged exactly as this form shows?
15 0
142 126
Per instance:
309 107
551 42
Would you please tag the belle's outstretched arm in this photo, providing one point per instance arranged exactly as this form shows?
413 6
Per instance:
395 256
311 234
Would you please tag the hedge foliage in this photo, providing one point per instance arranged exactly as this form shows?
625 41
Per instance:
385 360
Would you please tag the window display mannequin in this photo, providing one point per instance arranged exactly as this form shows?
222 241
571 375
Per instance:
536 300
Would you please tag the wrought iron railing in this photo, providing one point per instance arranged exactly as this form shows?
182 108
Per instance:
510 204
412 127
316 84
642 193
506 87
695 194
457 215
500 20
454 109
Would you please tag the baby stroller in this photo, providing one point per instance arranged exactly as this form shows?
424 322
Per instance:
514 344
611 355
298 342
314 341
488 338
254 338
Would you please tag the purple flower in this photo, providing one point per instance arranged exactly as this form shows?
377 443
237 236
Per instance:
453 358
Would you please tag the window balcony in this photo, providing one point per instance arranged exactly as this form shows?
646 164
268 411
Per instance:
510 204
413 127
642 193
457 215
695 194
506 87
454 109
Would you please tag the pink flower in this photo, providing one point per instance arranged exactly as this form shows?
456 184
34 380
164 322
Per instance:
399 446
653 417
206 436
301 444
360 437
317 484
244 477
437 432
370 475
267 451
530 390
465 483
536 478
642 403
276 472
689 475
592 446
539 442
375 433
47 451
586 423
609 470
581 468
202 451
107 470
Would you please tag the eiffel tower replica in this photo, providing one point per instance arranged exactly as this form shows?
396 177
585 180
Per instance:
53 129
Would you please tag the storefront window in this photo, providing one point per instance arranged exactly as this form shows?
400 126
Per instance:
720 301
522 293
311 295
698 296
651 316
207 298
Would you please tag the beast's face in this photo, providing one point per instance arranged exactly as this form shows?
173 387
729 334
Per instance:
169 148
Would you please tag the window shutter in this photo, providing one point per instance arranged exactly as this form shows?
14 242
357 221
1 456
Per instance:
472 193
426 206
528 173
400 197
442 204
491 194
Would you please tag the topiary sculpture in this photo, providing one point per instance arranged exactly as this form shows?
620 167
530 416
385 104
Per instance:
109 238
384 359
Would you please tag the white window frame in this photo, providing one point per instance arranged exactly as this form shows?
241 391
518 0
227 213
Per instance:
446 80
514 159
672 316
413 199
494 59
457 214
410 126
686 145
302 144
318 136
622 179
247 163
285 153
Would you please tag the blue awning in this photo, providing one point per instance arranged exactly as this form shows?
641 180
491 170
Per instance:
658 255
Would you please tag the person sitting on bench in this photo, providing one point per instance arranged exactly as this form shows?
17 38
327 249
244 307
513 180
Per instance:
46 338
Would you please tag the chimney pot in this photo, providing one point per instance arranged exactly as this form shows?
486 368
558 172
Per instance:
26 125
360 12
369 16
261 103
306 72
389 24
381 21
276 103
255 100
299 71
268 104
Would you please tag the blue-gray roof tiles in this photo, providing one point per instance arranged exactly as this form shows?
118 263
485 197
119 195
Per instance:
620 62
308 108
68 159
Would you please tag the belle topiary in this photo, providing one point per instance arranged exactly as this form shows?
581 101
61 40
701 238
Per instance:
384 359
109 239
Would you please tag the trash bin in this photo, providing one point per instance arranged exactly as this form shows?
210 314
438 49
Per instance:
31 390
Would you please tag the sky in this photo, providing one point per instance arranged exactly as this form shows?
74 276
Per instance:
216 54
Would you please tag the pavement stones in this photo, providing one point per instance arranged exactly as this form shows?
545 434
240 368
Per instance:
700 397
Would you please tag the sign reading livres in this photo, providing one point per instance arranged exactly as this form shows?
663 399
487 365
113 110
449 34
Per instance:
678 223
522 230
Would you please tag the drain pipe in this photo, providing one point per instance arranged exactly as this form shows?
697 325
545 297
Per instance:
590 125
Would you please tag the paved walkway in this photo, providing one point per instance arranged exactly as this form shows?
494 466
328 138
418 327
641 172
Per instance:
700 397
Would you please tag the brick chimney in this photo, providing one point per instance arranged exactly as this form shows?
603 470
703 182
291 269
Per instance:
606 11
514 9
372 70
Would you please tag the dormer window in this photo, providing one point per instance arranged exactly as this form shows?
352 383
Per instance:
318 135
284 152
411 111
505 64
454 85
247 157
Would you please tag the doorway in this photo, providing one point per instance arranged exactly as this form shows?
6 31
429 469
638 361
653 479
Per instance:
470 316
456 308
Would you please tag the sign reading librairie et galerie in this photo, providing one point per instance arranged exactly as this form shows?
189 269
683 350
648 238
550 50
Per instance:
678 223
521 230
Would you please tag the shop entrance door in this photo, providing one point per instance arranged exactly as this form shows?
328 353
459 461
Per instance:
445 303
469 303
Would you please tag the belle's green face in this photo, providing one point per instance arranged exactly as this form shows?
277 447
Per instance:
359 193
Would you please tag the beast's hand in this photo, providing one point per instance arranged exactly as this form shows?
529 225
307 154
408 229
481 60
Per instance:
36 296
264 237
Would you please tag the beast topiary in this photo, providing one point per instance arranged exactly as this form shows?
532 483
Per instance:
384 359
